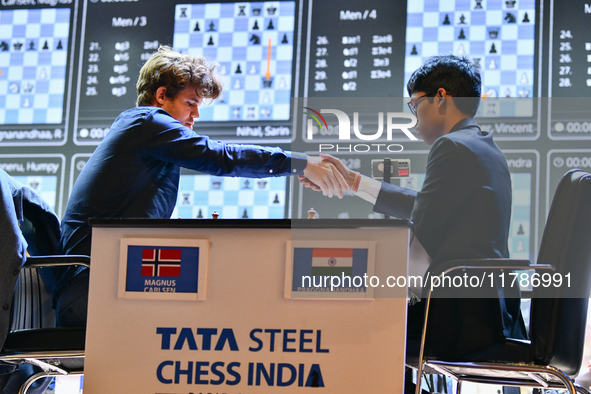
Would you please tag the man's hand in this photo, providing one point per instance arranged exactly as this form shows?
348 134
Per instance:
325 177
349 176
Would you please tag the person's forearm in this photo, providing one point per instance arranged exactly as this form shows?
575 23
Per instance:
369 189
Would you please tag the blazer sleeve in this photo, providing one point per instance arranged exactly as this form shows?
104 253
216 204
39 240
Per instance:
395 201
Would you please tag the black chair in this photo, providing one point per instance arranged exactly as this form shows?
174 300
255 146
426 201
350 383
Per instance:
552 357
29 335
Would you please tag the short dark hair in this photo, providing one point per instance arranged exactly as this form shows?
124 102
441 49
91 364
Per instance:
459 76
175 71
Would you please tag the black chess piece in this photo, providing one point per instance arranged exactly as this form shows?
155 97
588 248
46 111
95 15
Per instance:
526 18
284 41
210 42
246 184
462 19
196 27
276 200
478 5
4 46
462 36
256 40
245 214
414 50
446 20
200 214
46 45
256 25
238 70
520 230
32 46
59 45
241 12
510 18
493 48
211 26
183 12
270 27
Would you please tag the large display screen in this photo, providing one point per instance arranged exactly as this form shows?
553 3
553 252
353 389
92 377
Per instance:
69 67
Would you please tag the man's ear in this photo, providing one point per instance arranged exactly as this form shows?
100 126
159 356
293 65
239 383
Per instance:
160 96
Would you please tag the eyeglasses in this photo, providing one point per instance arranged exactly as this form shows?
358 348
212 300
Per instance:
414 103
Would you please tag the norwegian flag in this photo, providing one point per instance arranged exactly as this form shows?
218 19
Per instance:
161 262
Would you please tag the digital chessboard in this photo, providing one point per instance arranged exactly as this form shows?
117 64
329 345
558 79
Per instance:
233 198
44 185
519 231
253 43
499 35
33 57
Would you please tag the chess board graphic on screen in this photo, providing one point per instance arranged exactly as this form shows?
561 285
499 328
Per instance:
33 57
232 197
499 35
253 43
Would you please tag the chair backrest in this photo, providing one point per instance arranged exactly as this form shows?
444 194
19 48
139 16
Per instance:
27 221
558 314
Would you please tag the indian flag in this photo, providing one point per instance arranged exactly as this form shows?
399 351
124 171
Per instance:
332 262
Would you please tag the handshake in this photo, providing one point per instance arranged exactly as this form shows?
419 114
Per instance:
329 175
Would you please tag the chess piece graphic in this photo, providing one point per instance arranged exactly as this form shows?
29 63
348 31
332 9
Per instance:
414 50
183 12
271 26
524 92
211 26
200 214
196 27
276 200
526 18
210 42
446 20
284 41
493 64
255 40
241 10
493 48
510 18
245 214
462 35
256 25
238 70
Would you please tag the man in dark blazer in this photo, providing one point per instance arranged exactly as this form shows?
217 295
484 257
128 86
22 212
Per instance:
20 206
462 211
